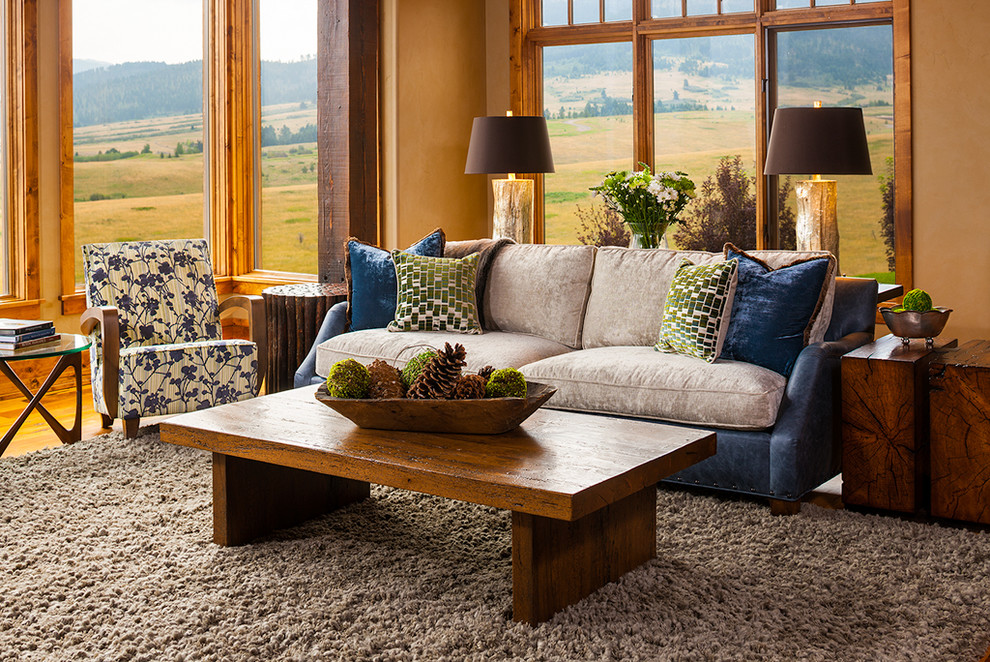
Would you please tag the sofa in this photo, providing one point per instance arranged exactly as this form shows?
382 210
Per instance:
586 319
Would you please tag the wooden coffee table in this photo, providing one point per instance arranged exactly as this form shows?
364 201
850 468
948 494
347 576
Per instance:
581 487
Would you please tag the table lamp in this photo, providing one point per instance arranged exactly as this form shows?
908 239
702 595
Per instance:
510 144
822 141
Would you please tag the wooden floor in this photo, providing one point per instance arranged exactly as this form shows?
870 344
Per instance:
35 433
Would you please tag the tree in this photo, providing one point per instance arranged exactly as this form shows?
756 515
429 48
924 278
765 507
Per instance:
887 219
725 211
146 149
601 226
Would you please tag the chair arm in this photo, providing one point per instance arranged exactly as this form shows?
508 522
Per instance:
334 324
254 305
804 446
106 320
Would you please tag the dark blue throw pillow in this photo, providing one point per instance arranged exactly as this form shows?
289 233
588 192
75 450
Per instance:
772 310
371 284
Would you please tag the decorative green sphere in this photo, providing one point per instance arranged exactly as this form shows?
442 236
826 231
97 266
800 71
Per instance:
348 378
416 365
506 383
918 301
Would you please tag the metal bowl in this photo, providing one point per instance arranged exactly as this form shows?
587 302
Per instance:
907 324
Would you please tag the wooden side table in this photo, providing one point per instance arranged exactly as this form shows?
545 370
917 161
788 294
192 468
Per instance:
959 383
885 424
293 315
69 352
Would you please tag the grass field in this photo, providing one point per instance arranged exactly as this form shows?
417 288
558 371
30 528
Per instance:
694 142
150 197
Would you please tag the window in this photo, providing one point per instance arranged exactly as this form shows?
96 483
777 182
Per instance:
137 121
692 87
288 212
850 67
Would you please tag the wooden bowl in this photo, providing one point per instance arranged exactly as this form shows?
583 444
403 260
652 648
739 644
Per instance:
487 416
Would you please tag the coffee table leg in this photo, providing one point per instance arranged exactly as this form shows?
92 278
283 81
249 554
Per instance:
555 563
252 498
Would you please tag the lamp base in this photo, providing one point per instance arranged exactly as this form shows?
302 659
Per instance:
513 216
817 227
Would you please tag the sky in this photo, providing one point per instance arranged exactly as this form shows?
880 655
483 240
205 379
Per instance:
171 31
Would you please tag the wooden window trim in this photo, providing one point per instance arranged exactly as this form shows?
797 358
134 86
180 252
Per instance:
20 22
528 38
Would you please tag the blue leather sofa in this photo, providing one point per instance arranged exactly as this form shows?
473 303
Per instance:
782 457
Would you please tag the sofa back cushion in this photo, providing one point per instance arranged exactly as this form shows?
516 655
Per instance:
540 290
628 292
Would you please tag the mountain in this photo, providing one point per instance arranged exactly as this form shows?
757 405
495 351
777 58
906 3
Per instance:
142 90
79 66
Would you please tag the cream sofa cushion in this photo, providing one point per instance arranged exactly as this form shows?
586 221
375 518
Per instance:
640 381
540 290
494 348
629 288
628 292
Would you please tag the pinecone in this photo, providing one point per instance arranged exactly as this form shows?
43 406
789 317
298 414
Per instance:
386 381
486 372
469 387
439 375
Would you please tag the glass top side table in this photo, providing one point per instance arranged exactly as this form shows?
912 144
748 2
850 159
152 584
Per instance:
69 352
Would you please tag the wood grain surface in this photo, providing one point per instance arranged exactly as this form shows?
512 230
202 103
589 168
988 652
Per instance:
557 464
959 384
884 424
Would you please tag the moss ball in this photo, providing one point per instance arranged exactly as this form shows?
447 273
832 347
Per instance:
506 383
348 378
416 365
918 301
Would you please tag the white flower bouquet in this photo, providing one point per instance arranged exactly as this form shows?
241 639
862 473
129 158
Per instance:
648 202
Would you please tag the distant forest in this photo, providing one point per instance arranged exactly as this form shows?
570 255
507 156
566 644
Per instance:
855 57
142 90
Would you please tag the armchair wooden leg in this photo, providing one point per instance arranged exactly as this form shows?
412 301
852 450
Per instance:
130 427
781 507
107 421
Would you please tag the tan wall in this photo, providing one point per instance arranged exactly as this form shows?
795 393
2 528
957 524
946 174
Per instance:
434 84
951 132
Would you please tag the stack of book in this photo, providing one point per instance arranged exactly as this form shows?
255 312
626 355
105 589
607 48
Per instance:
18 334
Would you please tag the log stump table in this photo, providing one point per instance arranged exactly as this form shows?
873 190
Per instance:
885 424
959 398
294 314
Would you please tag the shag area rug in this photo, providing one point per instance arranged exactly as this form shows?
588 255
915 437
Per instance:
106 553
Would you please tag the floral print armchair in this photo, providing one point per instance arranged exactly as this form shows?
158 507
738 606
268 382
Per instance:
154 319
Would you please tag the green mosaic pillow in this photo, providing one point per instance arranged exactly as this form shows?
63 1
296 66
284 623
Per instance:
696 312
435 293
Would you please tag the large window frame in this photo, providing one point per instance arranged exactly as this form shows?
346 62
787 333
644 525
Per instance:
529 37
20 112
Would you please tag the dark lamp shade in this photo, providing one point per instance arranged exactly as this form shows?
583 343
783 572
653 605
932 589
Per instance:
519 143
819 141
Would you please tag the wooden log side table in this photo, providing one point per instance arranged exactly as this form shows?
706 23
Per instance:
885 424
959 399
69 352
293 316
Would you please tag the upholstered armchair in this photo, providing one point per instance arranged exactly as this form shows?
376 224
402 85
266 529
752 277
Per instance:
154 319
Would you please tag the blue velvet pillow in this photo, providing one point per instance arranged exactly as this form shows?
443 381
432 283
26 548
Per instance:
772 310
371 284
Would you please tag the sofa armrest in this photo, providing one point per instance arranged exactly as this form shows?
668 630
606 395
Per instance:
254 306
334 324
804 444
105 320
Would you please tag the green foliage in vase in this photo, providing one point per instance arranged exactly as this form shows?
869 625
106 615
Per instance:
649 203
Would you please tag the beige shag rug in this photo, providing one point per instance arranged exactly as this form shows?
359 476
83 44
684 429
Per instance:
106 554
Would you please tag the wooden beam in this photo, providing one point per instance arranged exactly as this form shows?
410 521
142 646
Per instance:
903 169
348 132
